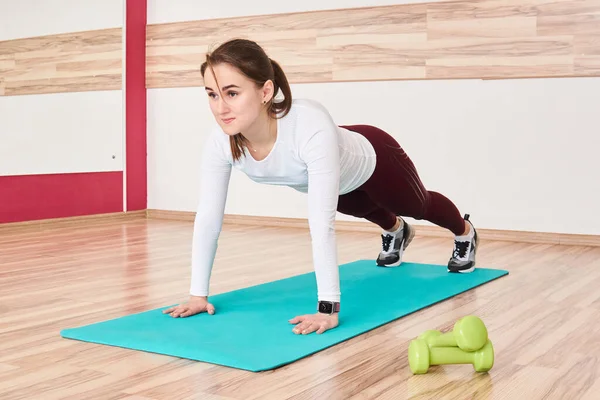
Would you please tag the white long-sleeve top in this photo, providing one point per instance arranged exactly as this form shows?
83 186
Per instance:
312 155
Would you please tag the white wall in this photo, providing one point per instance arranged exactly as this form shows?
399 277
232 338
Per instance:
27 18
62 132
515 154
165 11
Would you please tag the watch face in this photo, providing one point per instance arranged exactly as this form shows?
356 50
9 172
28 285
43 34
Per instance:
325 307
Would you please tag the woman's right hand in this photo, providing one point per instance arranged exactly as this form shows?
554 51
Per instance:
197 304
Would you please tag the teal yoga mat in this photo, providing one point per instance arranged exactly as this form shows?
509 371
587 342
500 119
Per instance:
250 329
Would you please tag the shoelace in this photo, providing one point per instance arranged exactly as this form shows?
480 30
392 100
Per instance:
386 240
460 248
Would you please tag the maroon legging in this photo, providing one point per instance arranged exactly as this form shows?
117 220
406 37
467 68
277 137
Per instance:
395 188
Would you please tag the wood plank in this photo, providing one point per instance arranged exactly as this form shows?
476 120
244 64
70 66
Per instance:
475 9
520 26
588 66
579 25
587 46
502 69
565 7
58 85
14 227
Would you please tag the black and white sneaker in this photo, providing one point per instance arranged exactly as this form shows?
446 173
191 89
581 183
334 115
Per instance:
394 244
463 255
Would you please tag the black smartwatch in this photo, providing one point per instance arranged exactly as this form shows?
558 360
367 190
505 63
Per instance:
328 307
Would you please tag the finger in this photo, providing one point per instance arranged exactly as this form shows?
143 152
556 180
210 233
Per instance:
300 327
169 310
322 329
304 326
210 309
311 328
298 319
186 313
178 311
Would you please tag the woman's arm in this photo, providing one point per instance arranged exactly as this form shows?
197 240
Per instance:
215 173
321 155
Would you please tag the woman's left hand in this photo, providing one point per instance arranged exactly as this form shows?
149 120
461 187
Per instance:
318 322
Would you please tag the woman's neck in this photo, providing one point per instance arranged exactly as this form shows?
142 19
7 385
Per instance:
262 134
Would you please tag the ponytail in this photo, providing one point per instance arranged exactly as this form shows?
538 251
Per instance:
281 83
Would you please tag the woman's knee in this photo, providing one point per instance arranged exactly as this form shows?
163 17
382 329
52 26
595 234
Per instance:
357 210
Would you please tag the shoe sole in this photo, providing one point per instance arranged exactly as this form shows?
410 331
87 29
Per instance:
409 239
396 264
463 271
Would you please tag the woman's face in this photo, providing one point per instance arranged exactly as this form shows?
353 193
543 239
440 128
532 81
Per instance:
239 102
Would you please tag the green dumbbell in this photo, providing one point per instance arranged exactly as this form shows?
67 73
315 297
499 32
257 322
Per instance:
421 356
469 334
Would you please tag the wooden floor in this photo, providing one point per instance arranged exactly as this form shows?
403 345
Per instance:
544 318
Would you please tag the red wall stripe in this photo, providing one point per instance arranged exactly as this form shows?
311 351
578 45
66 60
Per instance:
135 104
35 197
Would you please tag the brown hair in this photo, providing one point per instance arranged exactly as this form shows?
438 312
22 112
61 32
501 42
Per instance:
252 61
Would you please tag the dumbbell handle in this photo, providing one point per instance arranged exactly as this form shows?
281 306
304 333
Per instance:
444 340
449 355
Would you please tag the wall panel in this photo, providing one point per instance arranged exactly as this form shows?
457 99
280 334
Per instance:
439 40
443 40
69 62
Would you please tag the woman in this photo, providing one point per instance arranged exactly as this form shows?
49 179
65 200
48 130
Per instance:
357 170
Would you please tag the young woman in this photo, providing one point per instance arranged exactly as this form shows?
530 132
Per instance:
357 170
